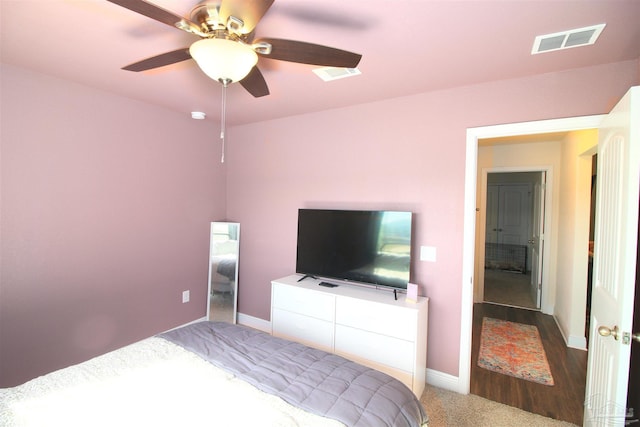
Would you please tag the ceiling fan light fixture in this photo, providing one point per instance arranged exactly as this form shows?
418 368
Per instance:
262 48
189 28
224 59
235 25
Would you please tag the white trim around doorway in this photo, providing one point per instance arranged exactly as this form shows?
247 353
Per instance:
469 235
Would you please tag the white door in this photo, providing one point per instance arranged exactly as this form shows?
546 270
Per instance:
537 238
508 214
514 214
614 270
508 218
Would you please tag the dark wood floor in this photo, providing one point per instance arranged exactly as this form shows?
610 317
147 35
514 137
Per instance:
562 401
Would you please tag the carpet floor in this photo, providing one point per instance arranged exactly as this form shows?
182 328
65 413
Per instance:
450 409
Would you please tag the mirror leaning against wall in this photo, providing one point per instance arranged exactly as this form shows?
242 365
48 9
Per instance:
224 253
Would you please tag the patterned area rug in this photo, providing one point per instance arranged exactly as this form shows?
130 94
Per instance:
513 349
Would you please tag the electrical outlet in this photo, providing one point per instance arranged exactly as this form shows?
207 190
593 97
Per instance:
185 296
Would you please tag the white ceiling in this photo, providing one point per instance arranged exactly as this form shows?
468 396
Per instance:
408 46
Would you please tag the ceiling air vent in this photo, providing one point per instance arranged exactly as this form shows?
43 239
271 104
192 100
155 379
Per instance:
567 39
334 73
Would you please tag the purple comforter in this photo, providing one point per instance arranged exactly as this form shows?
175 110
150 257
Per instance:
311 379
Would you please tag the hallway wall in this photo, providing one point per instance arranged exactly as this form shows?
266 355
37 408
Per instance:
573 235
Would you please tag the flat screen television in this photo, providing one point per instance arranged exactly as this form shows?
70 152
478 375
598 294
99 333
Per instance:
369 247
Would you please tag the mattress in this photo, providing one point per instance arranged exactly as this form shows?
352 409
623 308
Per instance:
162 382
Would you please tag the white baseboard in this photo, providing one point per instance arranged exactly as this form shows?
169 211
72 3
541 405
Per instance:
242 319
446 381
579 343
254 322
186 324
572 341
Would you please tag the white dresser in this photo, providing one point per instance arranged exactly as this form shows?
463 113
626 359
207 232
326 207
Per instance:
362 324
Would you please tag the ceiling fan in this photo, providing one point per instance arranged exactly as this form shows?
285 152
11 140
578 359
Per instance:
227 51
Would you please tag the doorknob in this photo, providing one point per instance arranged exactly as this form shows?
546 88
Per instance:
605 331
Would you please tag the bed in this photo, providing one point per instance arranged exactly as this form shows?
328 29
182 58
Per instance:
213 373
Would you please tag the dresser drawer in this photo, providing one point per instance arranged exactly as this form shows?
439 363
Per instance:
383 319
307 330
389 351
309 303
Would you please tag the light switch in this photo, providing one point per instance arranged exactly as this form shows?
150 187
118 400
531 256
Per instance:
428 253
185 296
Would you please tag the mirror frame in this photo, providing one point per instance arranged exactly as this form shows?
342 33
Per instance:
211 254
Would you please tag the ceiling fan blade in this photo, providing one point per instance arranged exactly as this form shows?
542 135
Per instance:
250 11
309 53
320 14
255 84
152 11
161 60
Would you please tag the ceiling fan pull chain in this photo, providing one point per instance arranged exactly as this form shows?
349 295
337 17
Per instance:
223 120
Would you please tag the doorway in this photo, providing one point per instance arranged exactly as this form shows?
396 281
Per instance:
514 220
615 129
471 215
544 242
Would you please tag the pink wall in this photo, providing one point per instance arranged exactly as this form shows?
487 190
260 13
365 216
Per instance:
406 153
105 201
105 211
